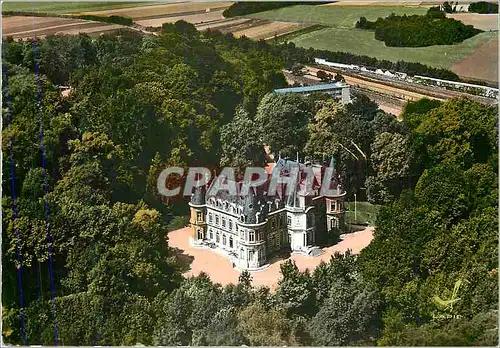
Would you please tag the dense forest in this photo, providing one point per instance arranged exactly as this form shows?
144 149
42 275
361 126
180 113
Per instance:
88 213
419 31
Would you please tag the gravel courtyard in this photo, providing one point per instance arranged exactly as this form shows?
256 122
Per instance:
221 271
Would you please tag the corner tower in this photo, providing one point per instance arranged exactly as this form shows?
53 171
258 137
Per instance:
197 221
335 211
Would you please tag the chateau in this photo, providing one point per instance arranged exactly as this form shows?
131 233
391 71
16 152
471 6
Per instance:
249 229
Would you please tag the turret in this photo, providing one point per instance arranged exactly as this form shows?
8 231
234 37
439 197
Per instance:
197 220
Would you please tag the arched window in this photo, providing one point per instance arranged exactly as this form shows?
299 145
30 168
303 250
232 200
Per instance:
211 234
217 237
224 239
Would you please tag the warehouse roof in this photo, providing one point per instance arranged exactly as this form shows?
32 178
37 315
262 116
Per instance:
313 88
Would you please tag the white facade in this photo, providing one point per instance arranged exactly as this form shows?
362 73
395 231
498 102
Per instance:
249 231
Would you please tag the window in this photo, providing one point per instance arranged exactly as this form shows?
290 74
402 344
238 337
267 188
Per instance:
230 242
199 216
289 220
223 222
211 235
224 239
250 255
217 237
334 223
310 220
242 254
210 217
216 219
333 206
230 225
251 236
200 234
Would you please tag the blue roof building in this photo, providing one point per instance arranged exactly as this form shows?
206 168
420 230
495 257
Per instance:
338 90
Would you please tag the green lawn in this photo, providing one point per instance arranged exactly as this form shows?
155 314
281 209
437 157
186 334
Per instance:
335 16
365 213
362 42
343 36
68 7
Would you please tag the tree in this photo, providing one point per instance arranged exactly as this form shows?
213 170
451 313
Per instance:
347 317
241 144
282 120
266 326
390 160
323 76
295 291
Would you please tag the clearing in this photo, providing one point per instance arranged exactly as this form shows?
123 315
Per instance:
221 271
365 212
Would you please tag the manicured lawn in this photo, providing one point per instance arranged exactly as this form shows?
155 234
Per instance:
67 7
336 16
362 42
343 36
365 212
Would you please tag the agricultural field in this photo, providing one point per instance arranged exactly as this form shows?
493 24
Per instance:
335 16
203 15
22 27
481 21
67 7
486 70
362 42
196 18
164 10
343 36
269 30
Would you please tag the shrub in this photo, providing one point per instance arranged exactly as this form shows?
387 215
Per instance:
483 7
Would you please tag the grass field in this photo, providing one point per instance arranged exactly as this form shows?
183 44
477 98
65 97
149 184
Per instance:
341 35
335 16
68 7
362 42
365 213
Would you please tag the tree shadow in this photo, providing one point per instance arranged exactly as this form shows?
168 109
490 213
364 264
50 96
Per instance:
183 260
